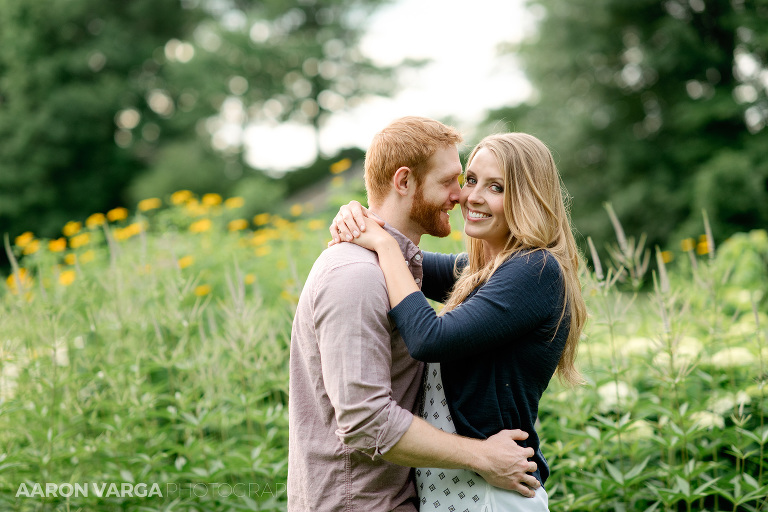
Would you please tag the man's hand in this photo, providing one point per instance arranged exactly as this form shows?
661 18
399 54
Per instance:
507 463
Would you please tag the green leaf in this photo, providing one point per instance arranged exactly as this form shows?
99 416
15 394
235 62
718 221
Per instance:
632 473
683 485
615 473
750 480
593 432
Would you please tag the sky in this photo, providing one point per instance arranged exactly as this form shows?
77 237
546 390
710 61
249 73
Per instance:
466 76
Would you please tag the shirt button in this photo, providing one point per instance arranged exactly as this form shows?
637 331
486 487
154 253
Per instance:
417 280
417 257
407 262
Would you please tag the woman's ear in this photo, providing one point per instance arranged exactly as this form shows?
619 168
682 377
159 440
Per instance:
400 181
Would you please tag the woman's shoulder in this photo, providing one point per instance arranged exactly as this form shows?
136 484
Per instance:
540 261
439 258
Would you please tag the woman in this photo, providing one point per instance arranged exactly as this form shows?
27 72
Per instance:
512 318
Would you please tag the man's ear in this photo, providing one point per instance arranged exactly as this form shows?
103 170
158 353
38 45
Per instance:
402 179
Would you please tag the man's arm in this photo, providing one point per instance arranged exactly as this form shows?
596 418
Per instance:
499 459
350 313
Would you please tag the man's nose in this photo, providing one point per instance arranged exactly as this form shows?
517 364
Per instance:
455 193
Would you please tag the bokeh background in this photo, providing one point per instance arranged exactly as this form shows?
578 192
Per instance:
168 170
657 106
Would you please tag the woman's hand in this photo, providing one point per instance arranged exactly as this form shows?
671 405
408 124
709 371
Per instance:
349 222
373 237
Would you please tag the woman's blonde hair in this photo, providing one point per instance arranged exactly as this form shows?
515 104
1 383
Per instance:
536 209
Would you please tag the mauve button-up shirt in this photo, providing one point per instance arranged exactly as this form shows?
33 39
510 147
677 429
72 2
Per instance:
353 387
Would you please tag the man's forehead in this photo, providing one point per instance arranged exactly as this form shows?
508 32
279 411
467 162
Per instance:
445 163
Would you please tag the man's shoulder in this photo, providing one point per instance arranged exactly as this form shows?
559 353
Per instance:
347 274
346 263
348 257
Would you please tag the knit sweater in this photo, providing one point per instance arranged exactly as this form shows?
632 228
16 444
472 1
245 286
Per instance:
498 349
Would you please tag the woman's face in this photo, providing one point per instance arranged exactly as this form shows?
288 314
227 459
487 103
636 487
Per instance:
482 202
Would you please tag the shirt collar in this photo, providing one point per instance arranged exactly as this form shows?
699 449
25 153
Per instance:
407 247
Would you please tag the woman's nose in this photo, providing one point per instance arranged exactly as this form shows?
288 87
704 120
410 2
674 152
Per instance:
474 196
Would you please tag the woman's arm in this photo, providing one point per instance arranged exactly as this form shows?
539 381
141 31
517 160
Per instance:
439 274
397 275
522 295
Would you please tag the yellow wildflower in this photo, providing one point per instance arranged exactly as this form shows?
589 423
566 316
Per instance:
70 259
316 225
455 235
200 226
211 199
71 228
121 234
31 248
260 238
337 181
702 247
24 239
296 210
181 196
194 208
234 202
117 214
22 277
79 240
96 219
237 225
135 228
688 244
57 245
280 223
263 251
202 290
270 233
151 203
667 256
87 256
186 261
67 277
128 231
341 166
250 278
261 219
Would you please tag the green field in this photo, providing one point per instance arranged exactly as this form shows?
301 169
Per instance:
150 348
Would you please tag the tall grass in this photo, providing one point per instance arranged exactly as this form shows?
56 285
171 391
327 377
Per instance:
155 349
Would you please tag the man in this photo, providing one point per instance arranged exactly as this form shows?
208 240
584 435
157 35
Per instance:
353 385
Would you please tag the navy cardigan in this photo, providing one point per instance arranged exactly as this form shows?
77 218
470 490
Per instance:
499 349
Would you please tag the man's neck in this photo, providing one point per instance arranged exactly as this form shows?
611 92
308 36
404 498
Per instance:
397 217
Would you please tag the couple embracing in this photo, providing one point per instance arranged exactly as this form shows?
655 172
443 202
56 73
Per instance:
380 383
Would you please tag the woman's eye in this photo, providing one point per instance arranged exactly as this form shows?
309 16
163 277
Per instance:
471 181
497 188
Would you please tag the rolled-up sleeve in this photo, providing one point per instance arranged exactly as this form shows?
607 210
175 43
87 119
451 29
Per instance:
355 344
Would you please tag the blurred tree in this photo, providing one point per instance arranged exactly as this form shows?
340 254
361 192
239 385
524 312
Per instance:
73 81
265 63
156 94
657 106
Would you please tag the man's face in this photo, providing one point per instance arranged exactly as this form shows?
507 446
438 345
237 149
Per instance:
438 193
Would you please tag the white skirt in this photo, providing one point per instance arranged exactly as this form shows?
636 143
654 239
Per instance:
461 490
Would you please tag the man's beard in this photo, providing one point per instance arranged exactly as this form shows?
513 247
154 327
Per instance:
428 215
